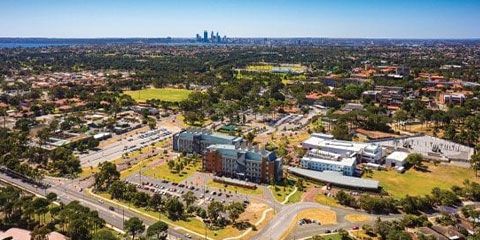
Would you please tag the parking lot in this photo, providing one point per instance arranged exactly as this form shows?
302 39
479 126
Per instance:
204 194
126 144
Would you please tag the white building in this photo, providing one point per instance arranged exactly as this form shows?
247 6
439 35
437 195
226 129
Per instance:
326 161
364 152
396 159
431 148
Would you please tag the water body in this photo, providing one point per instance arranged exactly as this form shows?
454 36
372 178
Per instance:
51 42
28 45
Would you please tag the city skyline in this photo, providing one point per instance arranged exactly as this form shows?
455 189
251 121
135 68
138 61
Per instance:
272 19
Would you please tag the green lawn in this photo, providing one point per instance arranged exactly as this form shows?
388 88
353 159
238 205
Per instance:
296 197
415 183
234 189
280 192
164 94
163 172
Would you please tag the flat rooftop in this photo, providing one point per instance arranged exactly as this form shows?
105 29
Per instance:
343 162
336 178
430 146
398 156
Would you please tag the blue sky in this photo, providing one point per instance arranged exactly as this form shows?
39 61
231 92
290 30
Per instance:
241 18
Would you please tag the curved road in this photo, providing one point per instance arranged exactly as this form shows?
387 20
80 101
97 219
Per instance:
277 227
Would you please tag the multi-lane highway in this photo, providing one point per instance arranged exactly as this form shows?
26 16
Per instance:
111 213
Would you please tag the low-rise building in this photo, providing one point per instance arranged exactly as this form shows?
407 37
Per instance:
363 152
326 161
432 148
452 98
249 164
396 159
22 234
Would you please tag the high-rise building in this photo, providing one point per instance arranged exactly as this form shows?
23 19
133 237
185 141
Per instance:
212 36
205 36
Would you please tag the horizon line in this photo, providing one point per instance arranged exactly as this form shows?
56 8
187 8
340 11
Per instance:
259 37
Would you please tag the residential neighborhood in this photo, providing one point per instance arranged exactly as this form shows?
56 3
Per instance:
289 134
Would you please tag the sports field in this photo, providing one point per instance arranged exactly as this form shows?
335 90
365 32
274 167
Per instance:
163 94
415 183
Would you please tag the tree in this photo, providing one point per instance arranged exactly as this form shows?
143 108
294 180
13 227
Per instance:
345 199
117 190
343 234
171 164
398 234
234 210
340 131
152 123
40 206
189 198
64 162
158 230
445 197
156 202
104 234
134 226
415 160
400 116
106 176
214 210
299 184
51 196
40 233
78 230
175 208
475 162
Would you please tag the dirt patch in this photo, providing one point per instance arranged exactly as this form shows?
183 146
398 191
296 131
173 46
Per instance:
324 216
355 218
253 212
309 195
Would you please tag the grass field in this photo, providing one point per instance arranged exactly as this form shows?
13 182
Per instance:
164 94
325 200
324 216
281 192
415 183
296 197
163 172
295 68
334 236
235 189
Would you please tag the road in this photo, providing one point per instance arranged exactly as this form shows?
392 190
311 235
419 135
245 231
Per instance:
66 195
117 149
278 226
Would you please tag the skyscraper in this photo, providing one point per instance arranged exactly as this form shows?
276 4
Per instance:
205 36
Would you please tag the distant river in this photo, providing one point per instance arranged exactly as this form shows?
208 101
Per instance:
29 45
